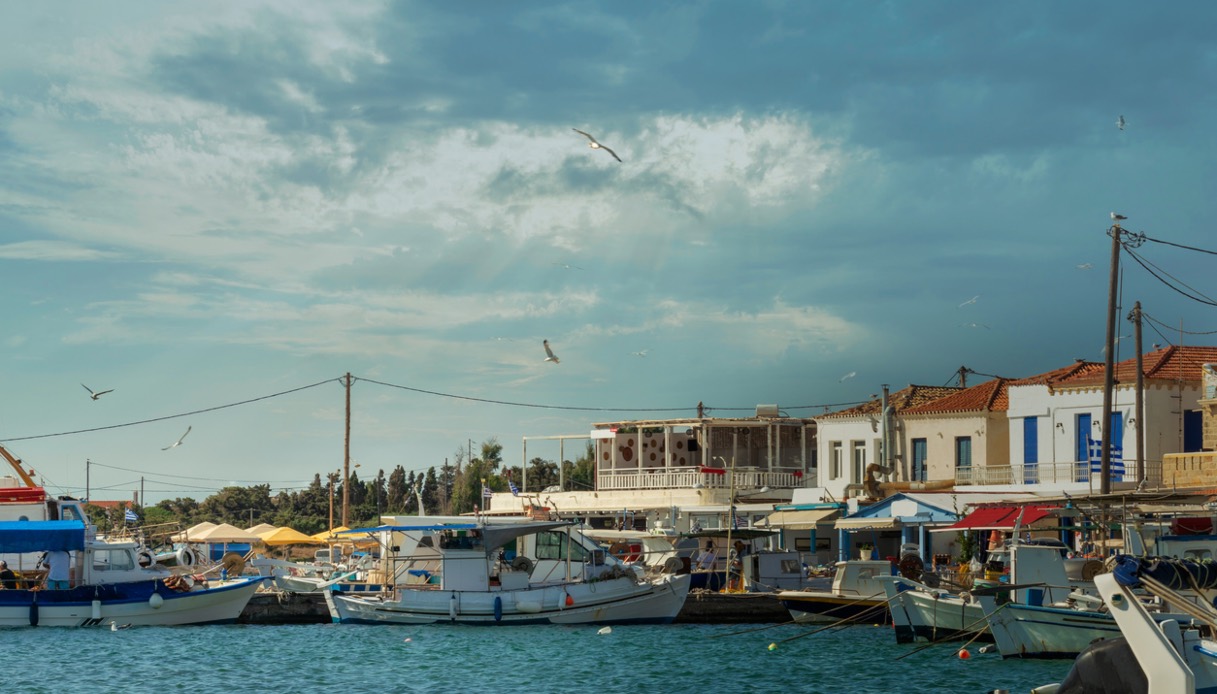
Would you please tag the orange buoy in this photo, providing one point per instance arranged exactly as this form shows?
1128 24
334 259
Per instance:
963 654
569 600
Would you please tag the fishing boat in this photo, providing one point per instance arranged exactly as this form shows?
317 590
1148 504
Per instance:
857 592
1153 655
514 571
1039 625
109 586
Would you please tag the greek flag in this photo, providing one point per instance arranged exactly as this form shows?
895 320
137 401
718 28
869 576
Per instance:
737 520
486 492
515 491
130 516
1116 463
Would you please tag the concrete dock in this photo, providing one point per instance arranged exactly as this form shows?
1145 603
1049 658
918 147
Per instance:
699 608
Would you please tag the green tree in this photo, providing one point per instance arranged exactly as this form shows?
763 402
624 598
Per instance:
396 490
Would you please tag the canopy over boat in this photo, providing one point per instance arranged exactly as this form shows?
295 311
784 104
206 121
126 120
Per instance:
41 536
493 536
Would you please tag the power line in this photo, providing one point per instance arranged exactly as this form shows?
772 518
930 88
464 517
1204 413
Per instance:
170 416
1146 264
1178 245
204 479
1177 330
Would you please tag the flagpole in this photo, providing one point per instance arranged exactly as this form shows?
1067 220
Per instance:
730 524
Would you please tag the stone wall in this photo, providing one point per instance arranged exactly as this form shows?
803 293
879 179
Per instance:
1208 409
1189 470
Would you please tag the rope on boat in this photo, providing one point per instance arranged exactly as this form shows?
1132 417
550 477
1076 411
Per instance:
944 640
844 622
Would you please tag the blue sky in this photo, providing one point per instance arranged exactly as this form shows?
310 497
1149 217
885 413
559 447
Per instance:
207 203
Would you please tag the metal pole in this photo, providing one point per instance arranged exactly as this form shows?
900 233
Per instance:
87 464
1109 366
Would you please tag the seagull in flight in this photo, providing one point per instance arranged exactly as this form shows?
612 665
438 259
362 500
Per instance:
1117 218
973 325
179 441
568 266
847 376
95 395
970 301
1085 266
1120 122
640 353
549 353
591 142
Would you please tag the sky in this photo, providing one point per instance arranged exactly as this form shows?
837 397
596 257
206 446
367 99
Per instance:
219 209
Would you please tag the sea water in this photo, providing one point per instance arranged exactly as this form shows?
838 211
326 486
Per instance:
536 659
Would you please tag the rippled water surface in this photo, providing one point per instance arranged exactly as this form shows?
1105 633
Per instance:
353 658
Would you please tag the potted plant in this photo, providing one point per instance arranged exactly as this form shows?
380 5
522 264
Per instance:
866 550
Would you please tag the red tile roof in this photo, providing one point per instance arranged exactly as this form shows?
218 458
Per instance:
989 396
1174 363
902 400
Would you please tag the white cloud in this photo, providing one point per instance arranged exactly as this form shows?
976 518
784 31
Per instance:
55 251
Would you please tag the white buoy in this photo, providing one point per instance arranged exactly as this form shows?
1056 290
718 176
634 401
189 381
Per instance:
156 601
96 611
605 630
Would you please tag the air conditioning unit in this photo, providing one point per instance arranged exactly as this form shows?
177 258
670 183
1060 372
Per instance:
767 411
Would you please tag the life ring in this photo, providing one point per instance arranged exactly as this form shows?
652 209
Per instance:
185 557
146 558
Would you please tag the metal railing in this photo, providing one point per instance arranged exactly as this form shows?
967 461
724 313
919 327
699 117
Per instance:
686 478
1049 473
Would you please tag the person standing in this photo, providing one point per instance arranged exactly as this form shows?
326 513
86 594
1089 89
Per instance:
58 563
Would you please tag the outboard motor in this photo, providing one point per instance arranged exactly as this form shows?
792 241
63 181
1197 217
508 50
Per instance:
1105 667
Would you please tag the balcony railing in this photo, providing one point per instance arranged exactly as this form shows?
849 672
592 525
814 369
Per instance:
687 478
1049 473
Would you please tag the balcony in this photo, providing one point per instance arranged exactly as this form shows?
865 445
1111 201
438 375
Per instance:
714 478
1070 473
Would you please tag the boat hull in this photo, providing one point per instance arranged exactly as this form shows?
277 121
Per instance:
614 601
127 604
1031 631
825 608
922 616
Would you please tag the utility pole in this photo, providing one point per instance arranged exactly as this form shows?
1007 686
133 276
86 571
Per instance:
141 492
1140 407
87 464
1109 375
346 459
963 377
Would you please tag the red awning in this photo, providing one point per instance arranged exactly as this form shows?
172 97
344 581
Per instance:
1000 517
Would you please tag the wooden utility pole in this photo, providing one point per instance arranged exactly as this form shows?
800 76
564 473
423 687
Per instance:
1140 407
346 456
1109 366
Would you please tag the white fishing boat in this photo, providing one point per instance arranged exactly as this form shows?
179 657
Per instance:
506 572
1153 655
1040 624
107 585
857 592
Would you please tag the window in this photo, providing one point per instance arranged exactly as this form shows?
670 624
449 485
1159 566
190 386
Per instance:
838 459
553 545
859 451
920 448
963 451
113 560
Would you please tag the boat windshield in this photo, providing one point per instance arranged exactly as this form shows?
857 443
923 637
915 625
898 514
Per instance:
554 545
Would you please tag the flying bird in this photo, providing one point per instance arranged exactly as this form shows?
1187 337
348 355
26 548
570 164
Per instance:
179 441
640 353
973 325
1085 266
847 376
549 353
1117 218
596 145
1120 122
568 266
970 301
95 395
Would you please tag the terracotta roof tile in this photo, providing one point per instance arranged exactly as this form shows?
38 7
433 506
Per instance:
1174 363
902 400
986 397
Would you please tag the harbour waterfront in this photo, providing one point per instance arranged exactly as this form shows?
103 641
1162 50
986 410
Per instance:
434 658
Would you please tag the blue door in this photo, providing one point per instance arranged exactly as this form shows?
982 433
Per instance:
1082 450
1031 453
1117 447
919 456
1193 439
